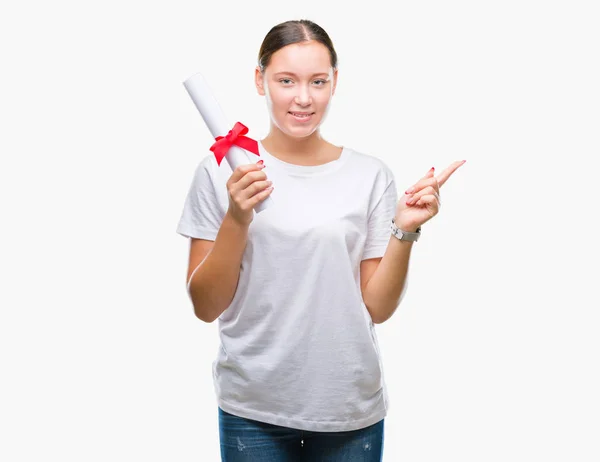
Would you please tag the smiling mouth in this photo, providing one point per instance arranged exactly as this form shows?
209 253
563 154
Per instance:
301 114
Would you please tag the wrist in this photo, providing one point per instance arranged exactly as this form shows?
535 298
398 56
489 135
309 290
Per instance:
408 227
231 222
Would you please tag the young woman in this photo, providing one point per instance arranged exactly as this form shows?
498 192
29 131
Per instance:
298 288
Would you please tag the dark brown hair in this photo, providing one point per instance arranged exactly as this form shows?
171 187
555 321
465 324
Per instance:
294 31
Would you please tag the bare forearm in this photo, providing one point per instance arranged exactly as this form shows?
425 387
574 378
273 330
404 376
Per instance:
214 283
383 292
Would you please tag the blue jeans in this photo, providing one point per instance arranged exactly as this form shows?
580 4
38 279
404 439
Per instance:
246 440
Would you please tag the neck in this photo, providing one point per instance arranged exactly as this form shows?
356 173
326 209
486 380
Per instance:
289 147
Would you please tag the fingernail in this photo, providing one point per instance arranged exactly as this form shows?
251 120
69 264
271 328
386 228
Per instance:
432 169
409 191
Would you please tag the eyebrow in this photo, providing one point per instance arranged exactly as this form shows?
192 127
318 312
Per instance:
294 75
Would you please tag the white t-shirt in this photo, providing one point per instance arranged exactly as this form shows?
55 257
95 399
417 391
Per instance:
298 346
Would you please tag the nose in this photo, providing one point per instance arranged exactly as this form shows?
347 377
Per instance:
303 97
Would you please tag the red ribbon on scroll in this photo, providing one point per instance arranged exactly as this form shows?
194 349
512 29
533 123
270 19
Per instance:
234 136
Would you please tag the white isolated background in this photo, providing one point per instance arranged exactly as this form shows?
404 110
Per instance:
493 355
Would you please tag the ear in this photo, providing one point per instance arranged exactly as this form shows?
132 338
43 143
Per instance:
335 76
259 82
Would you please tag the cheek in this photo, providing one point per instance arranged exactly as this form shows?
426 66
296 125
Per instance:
280 99
322 97
279 104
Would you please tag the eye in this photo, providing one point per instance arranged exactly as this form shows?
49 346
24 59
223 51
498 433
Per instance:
321 80
282 80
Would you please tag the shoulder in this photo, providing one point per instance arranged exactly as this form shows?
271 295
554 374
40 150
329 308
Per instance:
208 164
370 165
208 170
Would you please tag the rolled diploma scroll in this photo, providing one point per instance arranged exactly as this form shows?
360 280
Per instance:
215 120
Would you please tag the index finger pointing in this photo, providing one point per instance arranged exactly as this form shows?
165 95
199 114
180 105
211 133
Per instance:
443 177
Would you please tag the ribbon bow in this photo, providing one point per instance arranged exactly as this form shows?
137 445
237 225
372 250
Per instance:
234 136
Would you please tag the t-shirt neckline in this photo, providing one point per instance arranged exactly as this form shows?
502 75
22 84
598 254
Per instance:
303 170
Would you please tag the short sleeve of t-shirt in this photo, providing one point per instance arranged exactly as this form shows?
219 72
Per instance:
380 215
201 217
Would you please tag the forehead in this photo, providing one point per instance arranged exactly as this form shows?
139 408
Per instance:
301 58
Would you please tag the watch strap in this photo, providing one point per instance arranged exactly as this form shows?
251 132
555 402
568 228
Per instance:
404 235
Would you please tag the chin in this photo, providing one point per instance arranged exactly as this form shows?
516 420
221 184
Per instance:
300 130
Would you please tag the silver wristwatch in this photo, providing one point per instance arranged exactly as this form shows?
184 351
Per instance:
404 235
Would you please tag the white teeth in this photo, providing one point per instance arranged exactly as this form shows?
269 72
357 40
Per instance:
300 115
